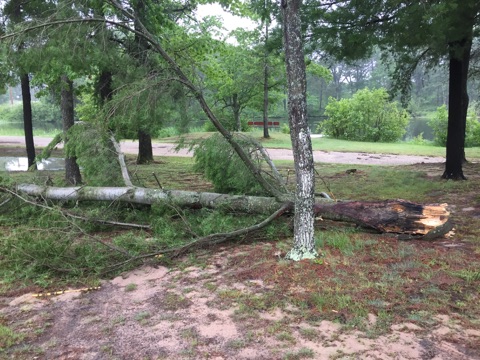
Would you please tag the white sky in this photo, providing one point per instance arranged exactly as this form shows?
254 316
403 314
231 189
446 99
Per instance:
230 22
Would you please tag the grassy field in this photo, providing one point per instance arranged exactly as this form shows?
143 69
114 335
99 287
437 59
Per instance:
7 129
359 273
280 140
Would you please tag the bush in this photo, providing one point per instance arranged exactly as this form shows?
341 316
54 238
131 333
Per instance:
42 113
367 116
439 124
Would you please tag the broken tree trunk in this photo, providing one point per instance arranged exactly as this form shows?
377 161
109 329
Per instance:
390 216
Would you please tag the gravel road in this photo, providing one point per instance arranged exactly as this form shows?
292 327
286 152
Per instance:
166 149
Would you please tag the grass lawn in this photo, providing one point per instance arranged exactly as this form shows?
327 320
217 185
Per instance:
280 140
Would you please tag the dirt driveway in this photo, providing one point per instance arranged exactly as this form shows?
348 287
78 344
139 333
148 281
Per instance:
191 312
165 149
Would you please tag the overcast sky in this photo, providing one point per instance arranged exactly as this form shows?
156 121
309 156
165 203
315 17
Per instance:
230 22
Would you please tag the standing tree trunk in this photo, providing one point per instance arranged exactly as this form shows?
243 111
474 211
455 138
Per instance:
72 171
145 152
320 95
304 242
457 110
236 112
27 118
16 14
103 86
266 135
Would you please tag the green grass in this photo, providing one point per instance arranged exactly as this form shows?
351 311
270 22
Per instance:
8 337
282 141
6 129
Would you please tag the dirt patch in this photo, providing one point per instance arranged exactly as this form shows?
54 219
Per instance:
220 310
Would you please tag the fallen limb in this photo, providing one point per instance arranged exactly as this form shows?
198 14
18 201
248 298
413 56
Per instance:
209 240
391 216
191 199
74 216
121 161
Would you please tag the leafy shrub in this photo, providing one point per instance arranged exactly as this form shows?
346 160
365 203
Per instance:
167 132
220 164
367 116
42 112
439 124
285 129
419 140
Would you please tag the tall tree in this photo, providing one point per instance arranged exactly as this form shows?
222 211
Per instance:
304 241
232 75
16 11
145 152
266 75
411 32
72 171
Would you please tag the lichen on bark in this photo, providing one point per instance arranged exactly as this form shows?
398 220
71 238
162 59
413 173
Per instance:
301 253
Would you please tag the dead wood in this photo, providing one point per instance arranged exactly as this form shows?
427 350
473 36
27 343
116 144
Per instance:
391 216
121 161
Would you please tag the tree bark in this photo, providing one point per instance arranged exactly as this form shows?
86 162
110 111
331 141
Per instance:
27 118
463 22
266 135
145 151
457 114
121 161
390 216
72 171
304 241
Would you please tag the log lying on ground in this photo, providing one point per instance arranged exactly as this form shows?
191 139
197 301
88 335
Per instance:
138 195
391 216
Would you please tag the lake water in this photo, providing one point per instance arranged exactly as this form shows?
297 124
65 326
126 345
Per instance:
10 163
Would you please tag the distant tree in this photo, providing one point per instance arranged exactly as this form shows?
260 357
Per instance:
232 74
14 13
411 32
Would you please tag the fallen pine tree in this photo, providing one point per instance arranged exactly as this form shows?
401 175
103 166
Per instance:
391 216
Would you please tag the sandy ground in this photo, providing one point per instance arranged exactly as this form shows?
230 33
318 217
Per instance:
164 149
160 313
